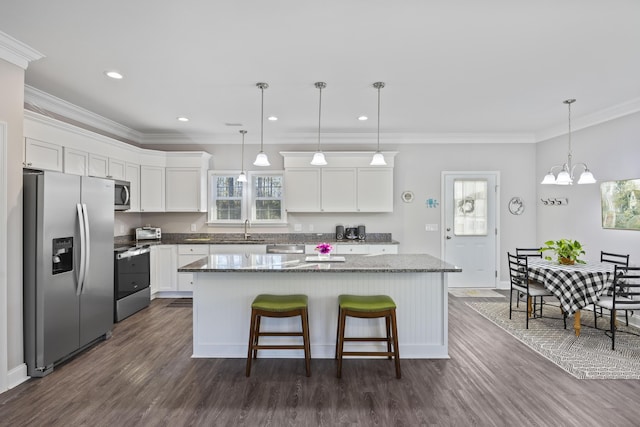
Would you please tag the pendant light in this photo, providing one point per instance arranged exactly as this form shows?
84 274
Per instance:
566 176
378 157
261 158
318 157
243 176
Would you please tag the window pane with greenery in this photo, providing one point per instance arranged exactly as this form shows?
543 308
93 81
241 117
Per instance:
227 198
267 197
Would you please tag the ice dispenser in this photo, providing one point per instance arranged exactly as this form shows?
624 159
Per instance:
62 255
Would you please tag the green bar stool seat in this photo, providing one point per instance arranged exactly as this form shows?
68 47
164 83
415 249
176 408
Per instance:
368 307
279 306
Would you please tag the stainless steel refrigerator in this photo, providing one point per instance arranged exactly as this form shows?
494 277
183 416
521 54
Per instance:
68 266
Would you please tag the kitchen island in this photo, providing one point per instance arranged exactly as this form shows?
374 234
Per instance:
226 284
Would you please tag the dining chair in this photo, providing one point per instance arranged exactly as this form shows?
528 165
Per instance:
625 296
520 283
616 259
529 253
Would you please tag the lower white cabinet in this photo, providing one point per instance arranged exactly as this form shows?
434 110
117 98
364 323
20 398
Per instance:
384 249
164 268
186 255
356 249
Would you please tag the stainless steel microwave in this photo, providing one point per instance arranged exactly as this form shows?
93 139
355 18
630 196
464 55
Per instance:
122 196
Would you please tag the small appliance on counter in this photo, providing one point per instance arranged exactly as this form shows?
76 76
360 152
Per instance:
339 232
148 233
351 233
362 232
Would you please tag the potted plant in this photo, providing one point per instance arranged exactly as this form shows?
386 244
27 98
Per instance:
567 251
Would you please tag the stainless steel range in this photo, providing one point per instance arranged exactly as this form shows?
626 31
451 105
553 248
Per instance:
131 280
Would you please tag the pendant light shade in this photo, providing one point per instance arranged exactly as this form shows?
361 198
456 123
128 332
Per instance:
261 158
378 157
566 174
242 177
318 157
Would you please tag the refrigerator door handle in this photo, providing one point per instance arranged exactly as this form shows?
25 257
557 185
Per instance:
81 268
86 246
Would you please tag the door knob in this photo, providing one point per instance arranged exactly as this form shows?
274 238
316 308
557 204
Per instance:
448 237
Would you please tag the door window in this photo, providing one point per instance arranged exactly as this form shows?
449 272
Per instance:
470 202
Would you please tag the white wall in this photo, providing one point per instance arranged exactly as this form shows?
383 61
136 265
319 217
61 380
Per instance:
612 152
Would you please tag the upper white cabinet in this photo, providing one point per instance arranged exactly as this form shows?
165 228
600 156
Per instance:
184 190
117 169
302 189
42 155
132 174
76 162
347 184
152 188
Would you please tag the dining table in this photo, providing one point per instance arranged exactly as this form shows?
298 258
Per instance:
576 286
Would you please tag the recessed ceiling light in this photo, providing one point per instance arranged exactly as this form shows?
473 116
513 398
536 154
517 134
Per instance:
114 75
363 118
183 119
272 118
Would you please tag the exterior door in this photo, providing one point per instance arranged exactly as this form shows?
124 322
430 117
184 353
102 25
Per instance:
470 227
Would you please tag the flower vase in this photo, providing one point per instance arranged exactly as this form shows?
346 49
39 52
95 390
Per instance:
324 257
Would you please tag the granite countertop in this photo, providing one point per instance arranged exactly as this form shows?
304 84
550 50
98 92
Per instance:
256 239
287 263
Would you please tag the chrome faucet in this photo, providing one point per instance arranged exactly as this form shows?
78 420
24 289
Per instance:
247 225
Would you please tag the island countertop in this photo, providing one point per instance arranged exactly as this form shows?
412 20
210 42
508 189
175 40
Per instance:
285 263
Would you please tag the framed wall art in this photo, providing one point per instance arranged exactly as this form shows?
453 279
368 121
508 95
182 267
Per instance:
620 202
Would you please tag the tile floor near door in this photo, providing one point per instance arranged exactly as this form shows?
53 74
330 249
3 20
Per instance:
144 376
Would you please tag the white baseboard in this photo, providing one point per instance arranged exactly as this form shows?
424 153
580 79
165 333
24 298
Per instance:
17 375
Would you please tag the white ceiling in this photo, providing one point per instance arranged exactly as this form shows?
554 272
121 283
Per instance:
494 68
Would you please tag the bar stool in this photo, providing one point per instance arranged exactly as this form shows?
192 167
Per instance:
367 307
279 306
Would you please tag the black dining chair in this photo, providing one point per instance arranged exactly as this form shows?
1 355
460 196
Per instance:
625 295
616 259
529 253
520 283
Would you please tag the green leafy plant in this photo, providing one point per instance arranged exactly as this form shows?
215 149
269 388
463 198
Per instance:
567 251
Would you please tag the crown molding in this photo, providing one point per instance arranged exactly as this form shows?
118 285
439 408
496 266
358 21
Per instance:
593 119
16 52
43 103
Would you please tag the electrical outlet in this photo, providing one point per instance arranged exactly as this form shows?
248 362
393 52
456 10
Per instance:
310 227
431 227
193 227
297 227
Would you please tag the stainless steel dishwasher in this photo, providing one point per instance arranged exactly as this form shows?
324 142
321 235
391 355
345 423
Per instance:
285 248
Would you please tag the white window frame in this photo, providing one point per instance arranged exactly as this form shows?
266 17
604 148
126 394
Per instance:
247 207
252 197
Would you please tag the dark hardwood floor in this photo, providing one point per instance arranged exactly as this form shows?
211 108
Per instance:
144 376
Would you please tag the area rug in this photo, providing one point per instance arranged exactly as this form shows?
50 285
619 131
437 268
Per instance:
474 293
588 356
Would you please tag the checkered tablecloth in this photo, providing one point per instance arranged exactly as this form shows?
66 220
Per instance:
576 286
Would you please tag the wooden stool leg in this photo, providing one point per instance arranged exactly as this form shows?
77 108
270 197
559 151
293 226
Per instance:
343 316
387 321
256 336
395 342
251 341
337 332
305 337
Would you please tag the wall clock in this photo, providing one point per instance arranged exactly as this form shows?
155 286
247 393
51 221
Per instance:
516 206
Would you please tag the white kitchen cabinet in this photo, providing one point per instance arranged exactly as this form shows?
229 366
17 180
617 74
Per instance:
355 249
186 255
76 162
132 174
383 249
117 169
164 265
42 155
184 190
339 186
375 190
98 165
152 189
302 189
